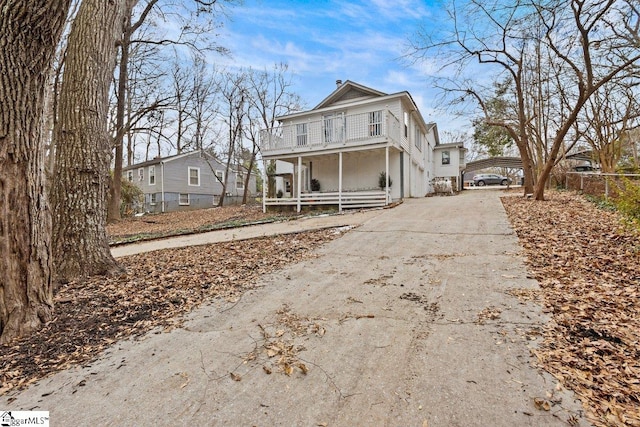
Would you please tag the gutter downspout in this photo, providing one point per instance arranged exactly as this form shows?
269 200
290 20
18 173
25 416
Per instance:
162 185
265 184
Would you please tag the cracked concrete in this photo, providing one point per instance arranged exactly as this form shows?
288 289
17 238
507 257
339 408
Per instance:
418 330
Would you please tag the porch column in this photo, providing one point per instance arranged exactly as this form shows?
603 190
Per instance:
299 181
340 181
386 168
265 185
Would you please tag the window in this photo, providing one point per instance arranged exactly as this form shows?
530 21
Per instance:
152 175
301 134
141 174
153 199
130 176
446 158
375 123
239 181
418 141
334 127
406 124
194 176
220 176
183 199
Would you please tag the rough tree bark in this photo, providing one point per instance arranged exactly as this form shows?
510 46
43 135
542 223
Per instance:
29 34
83 156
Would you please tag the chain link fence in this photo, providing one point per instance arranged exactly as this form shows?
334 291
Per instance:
604 185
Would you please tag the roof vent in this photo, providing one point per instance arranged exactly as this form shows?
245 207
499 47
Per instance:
338 83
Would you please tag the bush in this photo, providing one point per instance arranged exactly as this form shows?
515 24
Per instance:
628 200
315 185
382 180
131 198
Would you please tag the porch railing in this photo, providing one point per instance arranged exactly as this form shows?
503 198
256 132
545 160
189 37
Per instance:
345 200
333 132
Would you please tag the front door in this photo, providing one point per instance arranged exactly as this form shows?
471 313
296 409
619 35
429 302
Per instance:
334 127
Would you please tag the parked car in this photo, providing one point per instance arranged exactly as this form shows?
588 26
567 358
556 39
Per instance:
490 179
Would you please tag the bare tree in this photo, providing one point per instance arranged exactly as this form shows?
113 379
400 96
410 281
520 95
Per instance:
29 34
583 45
233 92
269 96
608 116
197 23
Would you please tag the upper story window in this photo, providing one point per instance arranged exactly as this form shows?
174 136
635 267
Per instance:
406 124
152 175
301 134
220 176
375 123
141 174
130 176
334 127
446 157
418 139
194 176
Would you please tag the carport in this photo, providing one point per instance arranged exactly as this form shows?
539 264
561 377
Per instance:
500 162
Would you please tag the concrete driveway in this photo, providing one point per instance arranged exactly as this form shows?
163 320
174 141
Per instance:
404 321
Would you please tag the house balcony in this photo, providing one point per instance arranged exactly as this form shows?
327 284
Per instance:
333 132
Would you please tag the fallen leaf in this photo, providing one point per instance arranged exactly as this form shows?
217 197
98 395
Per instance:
235 377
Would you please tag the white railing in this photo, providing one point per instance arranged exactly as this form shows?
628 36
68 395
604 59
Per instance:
344 200
334 131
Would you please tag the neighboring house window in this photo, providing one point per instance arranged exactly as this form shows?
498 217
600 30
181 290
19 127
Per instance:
194 176
301 134
239 181
220 175
446 158
183 199
130 176
153 199
418 140
152 175
375 123
141 174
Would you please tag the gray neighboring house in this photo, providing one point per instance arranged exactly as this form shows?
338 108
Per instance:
186 181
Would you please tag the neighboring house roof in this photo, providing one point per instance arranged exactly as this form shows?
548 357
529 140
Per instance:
158 160
352 93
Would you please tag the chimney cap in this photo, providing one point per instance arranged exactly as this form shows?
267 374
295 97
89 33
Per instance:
338 82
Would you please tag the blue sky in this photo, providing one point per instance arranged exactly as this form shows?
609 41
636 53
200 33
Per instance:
326 40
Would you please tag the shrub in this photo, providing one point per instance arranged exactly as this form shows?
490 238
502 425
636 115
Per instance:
628 200
382 179
315 185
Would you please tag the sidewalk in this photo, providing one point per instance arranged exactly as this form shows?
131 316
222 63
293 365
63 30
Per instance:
251 231
404 321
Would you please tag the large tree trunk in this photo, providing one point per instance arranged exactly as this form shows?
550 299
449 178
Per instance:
29 34
79 195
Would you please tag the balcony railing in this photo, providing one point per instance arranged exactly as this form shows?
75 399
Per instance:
334 131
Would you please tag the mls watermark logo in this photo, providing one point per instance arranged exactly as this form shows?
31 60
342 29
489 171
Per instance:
24 418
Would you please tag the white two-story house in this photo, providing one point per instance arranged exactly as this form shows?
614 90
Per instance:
348 144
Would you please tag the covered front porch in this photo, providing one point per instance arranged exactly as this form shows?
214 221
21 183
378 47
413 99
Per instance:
347 179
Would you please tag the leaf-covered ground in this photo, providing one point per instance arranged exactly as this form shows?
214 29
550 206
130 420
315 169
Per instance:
155 226
588 266
156 289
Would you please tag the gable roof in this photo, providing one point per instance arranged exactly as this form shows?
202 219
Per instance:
158 160
348 91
